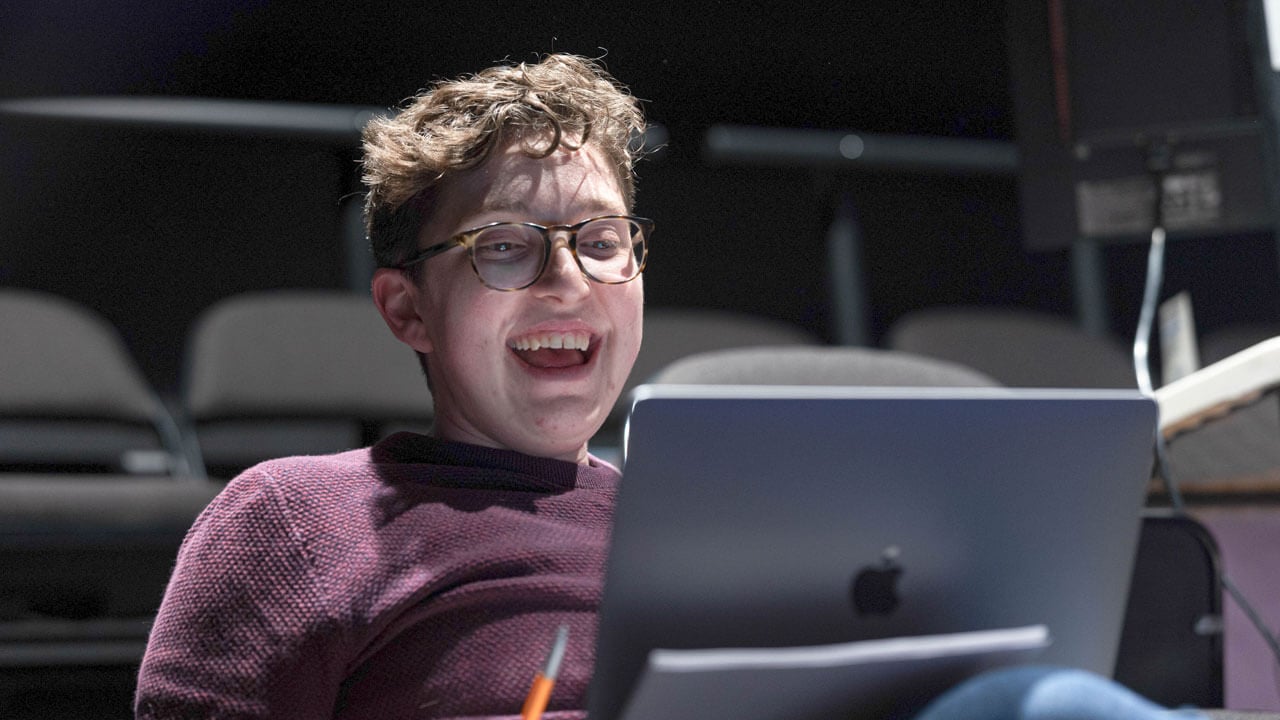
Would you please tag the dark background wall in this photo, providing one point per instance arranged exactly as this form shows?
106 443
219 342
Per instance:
150 227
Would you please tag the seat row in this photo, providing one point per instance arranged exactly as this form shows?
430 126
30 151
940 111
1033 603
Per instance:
288 372
320 366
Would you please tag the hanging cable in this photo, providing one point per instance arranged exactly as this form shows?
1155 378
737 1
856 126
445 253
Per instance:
1157 165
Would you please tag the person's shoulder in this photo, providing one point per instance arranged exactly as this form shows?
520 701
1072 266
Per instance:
318 505
350 464
338 461
286 489
309 481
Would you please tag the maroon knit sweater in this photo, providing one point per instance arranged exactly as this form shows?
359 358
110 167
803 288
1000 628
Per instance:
414 579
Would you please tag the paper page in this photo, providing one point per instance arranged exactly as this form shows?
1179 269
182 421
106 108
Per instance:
869 679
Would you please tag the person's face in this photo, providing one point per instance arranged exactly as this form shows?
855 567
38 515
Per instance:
546 402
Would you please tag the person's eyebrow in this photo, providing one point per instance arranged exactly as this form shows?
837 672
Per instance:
511 206
599 206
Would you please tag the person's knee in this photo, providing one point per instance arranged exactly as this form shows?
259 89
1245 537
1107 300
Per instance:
1041 693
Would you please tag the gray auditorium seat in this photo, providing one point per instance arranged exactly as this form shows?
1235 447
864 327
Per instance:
819 366
292 372
1017 347
671 333
85 560
1231 339
72 398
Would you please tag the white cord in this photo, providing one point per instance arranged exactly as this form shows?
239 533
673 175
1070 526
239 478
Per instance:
1146 318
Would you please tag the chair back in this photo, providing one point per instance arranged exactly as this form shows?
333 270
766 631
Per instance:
828 365
72 399
85 560
672 333
272 374
1231 339
1019 348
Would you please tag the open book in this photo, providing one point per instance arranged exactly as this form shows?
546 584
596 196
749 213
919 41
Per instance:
1221 423
891 678
1215 389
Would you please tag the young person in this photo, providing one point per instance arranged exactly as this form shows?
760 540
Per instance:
426 576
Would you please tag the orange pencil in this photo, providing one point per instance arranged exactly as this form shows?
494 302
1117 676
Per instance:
540 693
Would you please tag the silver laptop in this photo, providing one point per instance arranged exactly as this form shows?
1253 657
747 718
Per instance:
792 516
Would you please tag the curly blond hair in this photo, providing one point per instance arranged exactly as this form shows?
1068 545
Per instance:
561 101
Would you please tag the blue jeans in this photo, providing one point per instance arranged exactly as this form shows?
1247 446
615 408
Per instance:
1046 693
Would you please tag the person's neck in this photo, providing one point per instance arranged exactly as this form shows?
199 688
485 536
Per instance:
450 433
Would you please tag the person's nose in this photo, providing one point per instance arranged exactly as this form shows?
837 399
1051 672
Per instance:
562 278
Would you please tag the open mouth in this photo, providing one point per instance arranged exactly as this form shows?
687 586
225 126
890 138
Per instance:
554 349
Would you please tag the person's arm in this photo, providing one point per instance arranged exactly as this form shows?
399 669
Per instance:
245 630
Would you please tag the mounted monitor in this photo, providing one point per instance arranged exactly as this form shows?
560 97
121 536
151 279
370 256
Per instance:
1112 98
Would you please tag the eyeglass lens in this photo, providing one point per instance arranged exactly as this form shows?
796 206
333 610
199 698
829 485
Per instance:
511 256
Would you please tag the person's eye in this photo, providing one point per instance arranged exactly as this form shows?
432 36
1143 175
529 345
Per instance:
605 242
502 246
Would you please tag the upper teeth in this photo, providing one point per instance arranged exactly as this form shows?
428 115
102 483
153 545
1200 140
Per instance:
555 341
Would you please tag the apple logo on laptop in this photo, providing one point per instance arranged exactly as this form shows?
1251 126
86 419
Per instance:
875 587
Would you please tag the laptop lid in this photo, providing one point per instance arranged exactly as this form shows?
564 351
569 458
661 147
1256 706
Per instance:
757 516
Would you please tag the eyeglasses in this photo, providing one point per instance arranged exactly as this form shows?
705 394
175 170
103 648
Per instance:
610 249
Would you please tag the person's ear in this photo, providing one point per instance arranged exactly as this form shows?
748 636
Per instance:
395 294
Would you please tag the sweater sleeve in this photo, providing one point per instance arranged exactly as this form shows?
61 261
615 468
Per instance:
244 630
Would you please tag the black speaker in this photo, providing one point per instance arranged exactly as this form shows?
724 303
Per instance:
1171 644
